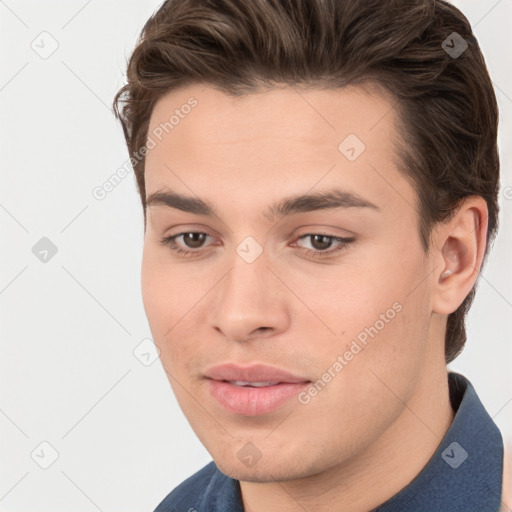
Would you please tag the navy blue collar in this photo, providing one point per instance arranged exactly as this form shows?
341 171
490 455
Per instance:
464 474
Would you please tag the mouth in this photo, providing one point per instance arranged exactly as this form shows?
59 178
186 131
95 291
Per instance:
253 390
245 383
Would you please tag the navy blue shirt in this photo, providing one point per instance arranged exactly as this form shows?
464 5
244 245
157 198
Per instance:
464 474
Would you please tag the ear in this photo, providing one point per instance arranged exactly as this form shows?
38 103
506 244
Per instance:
458 250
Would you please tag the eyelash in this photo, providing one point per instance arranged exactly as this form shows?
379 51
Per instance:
170 242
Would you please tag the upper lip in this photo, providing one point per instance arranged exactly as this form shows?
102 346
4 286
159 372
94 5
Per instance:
252 373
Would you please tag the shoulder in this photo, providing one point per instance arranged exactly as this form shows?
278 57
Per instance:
188 492
200 488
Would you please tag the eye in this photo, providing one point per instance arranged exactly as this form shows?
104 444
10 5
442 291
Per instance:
322 244
192 240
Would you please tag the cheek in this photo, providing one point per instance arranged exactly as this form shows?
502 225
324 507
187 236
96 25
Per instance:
162 295
154 288
167 289
394 322
380 301
171 297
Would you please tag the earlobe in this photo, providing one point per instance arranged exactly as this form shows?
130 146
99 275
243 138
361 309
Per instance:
461 242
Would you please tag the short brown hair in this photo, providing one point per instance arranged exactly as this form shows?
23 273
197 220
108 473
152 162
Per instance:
447 105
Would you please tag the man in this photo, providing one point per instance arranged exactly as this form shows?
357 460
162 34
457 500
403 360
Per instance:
319 182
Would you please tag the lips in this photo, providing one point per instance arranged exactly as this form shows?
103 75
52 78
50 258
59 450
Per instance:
252 373
253 390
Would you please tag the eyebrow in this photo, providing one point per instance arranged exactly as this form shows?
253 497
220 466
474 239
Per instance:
333 198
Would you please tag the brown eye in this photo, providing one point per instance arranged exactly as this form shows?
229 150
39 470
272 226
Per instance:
321 245
189 243
321 242
194 240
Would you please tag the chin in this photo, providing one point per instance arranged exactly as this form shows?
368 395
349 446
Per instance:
264 472
261 475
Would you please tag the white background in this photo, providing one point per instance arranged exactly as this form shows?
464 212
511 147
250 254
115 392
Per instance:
68 328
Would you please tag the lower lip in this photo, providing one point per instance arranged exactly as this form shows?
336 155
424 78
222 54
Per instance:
252 401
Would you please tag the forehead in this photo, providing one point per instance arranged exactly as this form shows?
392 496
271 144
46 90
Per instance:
278 141
283 114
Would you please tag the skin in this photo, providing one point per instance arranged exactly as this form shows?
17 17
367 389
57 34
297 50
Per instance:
374 426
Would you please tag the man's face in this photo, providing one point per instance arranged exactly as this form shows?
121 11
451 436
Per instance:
350 326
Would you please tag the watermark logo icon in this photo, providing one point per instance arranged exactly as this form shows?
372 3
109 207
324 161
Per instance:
45 45
351 147
146 352
44 455
454 45
44 250
249 249
249 455
454 455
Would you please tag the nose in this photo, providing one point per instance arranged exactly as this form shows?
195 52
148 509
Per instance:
250 302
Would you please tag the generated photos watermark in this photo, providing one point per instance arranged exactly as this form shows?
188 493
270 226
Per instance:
358 344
